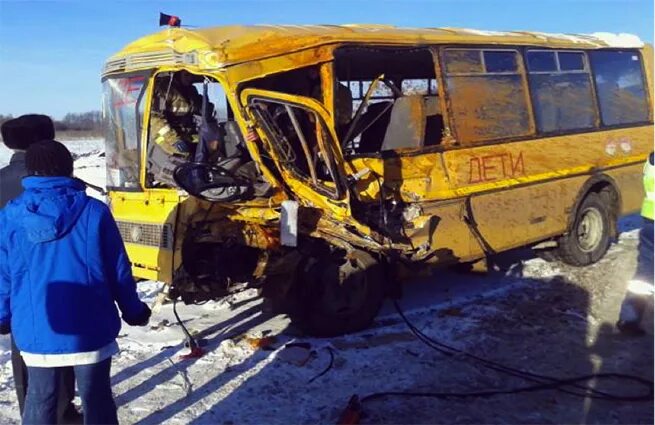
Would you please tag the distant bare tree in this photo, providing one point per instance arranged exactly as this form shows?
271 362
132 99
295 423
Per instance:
85 121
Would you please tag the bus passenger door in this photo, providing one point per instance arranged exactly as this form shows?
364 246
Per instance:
295 133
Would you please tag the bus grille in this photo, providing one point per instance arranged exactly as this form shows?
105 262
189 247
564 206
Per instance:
158 235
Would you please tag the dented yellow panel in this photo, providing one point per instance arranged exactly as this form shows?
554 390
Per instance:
460 172
441 233
513 217
256 69
415 178
520 192
503 165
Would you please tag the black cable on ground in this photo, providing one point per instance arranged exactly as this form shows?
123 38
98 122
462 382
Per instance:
525 389
193 345
543 382
327 369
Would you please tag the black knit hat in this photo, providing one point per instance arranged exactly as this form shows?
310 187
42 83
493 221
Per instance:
48 158
19 133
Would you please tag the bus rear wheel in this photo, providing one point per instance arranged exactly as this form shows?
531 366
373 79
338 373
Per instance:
589 237
336 296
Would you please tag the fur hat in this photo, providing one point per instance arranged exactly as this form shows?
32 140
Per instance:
48 158
19 133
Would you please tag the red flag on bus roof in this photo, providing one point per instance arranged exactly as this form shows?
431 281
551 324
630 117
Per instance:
170 20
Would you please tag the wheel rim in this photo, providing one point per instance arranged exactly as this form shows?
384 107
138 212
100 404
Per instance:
345 288
590 229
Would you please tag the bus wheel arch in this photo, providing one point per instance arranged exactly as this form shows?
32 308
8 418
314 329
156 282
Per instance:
592 223
607 189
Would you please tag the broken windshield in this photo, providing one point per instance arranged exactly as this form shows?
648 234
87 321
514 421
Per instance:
123 101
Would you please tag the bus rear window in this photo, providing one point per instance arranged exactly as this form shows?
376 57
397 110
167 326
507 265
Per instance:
620 87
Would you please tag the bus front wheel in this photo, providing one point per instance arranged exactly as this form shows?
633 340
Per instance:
589 238
336 296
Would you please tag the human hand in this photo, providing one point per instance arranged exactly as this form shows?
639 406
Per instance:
140 320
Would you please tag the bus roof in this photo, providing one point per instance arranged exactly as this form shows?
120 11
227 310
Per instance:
236 44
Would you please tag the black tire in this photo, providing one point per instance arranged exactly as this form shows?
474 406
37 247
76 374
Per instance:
357 282
589 237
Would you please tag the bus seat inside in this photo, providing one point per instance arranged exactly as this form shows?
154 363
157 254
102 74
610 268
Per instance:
406 117
406 124
432 106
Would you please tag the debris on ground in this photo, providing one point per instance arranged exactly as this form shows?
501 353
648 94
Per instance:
261 342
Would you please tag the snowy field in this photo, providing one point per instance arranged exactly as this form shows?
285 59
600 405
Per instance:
543 317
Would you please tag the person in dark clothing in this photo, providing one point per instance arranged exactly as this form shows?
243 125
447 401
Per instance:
18 134
66 314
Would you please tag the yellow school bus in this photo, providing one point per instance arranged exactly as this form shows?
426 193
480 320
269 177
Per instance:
311 161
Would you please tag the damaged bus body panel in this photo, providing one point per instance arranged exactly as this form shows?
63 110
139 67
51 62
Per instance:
309 161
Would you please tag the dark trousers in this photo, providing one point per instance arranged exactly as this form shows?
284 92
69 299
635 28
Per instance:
66 384
93 383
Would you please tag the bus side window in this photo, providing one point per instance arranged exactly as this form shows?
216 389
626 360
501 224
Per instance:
487 93
217 100
561 89
402 112
620 86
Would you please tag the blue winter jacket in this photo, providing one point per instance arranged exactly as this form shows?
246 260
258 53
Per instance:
63 269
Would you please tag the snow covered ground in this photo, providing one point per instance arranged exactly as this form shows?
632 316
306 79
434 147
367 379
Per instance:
544 317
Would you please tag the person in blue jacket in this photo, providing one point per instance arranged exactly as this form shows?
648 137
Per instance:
63 273
18 134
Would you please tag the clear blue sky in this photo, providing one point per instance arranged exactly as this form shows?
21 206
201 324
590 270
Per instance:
51 52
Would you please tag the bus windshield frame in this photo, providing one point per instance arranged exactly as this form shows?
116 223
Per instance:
124 102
